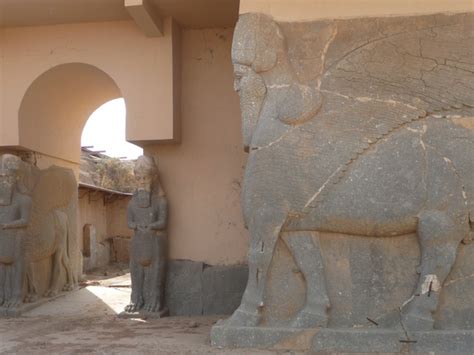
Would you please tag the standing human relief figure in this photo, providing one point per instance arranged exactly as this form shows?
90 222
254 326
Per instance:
14 218
148 217
359 186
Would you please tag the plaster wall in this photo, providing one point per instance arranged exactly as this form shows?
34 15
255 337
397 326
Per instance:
140 67
93 211
202 176
109 219
117 218
305 10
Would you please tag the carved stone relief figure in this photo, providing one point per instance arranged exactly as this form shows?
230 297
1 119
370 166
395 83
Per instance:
37 214
356 128
147 216
14 218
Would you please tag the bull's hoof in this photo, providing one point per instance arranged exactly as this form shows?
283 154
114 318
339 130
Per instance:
242 318
68 287
31 298
50 293
309 318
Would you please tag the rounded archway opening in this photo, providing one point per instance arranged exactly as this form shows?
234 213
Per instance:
58 104
105 131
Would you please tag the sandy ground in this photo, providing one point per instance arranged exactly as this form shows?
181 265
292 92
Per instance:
85 321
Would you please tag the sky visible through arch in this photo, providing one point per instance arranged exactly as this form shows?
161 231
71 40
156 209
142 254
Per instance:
105 130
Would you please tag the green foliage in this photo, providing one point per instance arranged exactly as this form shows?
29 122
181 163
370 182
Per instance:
115 174
109 173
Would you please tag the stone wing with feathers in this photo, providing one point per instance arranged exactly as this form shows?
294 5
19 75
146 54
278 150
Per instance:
377 77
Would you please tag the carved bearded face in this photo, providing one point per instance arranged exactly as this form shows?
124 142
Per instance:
7 185
255 48
251 89
145 172
9 165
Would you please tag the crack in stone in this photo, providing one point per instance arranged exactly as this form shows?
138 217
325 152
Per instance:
323 186
450 163
457 280
324 53
288 131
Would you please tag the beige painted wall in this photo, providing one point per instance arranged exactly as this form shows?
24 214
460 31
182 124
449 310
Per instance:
203 175
92 211
117 218
141 68
303 10
109 219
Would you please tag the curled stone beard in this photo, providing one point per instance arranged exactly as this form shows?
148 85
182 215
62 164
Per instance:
143 198
6 193
252 95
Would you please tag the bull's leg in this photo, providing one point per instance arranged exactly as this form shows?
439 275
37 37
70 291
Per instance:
56 274
66 263
137 275
307 256
32 288
439 237
264 235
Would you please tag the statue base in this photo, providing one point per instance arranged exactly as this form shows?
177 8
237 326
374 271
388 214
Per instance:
145 315
261 337
388 340
362 340
26 307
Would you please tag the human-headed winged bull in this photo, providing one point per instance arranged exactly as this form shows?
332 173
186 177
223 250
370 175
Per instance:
365 131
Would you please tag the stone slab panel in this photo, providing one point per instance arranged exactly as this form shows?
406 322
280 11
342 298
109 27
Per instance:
222 288
261 337
380 340
184 287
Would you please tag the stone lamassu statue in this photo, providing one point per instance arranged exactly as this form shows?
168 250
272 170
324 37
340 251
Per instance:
37 215
354 127
14 218
147 216
52 232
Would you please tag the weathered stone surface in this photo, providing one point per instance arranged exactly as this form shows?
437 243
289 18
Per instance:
262 337
359 186
384 341
194 288
148 217
184 287
39 245
222 288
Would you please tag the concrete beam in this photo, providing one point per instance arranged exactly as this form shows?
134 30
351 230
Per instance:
145 16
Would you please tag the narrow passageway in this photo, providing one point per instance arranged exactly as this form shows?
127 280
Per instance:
85 321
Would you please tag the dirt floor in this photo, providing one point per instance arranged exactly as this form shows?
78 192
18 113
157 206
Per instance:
85 321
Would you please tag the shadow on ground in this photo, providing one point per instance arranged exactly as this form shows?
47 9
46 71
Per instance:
85 321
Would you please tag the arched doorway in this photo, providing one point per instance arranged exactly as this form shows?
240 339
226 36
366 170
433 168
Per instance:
57 105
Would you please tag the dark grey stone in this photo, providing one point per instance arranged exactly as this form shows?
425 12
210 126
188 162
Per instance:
385 340
147 215
184 287
359 186
222 288
194 288
261 337
39 252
